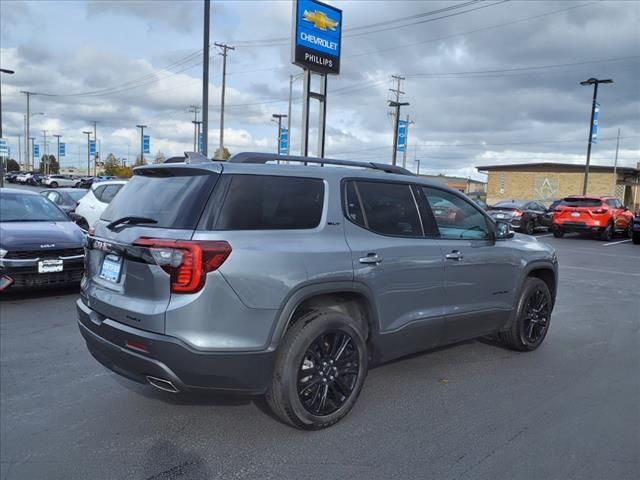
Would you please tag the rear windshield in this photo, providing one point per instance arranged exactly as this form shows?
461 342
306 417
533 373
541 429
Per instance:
507 205
173 198
261 202
581 202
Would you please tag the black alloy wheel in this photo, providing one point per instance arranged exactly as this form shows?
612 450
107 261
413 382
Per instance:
607 233
328 373
528 228
537 311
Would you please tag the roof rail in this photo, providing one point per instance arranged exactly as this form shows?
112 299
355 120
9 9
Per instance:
257 157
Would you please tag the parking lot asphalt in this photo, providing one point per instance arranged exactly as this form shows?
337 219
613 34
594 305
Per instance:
570 410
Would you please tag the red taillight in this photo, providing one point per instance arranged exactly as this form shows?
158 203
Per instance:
186 261
600 210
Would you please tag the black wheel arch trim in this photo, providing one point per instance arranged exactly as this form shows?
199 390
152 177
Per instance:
308 291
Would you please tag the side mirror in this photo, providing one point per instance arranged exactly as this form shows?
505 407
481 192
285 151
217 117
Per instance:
504 230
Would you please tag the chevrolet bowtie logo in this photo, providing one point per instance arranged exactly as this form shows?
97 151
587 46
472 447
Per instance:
319 20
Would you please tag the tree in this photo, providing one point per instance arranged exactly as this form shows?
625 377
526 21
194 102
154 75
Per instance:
224 156
140 161
12 165
111 165
54 167
159 158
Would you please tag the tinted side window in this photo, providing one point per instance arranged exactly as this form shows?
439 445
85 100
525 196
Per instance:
260 202
456 218
110 192
98 192
389 208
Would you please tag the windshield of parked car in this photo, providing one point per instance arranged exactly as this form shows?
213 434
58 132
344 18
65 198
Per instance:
20 207
77 194
509 205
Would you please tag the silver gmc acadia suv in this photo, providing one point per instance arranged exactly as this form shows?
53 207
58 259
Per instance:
291 280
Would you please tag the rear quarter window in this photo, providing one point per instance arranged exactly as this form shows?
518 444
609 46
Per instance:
267 202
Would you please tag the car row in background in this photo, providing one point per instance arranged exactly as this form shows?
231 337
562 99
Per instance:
40 245
54 180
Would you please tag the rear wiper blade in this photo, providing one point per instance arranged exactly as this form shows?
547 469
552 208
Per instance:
130 220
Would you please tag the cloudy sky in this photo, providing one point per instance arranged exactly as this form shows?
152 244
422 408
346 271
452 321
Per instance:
488 82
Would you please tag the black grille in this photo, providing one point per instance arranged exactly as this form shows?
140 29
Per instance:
29 254
25 280
580 225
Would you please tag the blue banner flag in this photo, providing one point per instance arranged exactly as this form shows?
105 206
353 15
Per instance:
146 146
92 147
36 150
201 142
283 148
402 135
4 147
63 150
594 127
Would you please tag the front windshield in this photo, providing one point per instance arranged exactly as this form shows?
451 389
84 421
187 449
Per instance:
20 207
77 194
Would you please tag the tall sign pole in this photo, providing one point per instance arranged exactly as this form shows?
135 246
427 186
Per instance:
224 54
316 45
205 77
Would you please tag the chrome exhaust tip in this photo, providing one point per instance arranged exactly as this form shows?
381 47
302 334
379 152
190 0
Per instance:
162 384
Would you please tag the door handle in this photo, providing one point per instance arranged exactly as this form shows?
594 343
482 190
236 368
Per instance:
371 259
454 255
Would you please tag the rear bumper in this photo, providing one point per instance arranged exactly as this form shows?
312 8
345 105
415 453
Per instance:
578 227
170 359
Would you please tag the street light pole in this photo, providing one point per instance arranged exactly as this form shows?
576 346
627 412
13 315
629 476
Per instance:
594 82
396 123
418 170
279 116
8 72
58 150
205 77
88 134
142 127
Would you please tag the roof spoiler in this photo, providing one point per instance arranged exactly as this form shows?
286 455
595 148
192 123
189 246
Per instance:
189 157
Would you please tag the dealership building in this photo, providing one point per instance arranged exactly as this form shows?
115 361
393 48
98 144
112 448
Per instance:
548 181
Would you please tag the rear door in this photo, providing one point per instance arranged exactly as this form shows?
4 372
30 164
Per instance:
480 274
391 256
122 281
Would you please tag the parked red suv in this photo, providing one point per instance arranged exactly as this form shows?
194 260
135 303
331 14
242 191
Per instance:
598 216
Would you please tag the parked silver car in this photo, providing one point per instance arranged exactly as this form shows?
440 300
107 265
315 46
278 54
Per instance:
291 280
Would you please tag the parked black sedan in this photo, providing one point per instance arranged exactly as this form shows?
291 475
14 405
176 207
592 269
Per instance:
39 244
524 215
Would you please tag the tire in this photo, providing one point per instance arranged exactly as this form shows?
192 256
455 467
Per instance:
557 232
629 230
53 184
636 238
304 345
526 334
82 223
529 228
607 234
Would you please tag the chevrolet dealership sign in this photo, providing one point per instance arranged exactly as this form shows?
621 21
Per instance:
317 36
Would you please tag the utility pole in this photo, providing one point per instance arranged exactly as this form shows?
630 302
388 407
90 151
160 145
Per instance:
291 78
33 142
88 134
46 157
418 170
27 133
58 149
406 142
615 166
594 82
224 54
279 116
97 152
141 127
205 77
196 126
19 150
9 72
396 121
195 109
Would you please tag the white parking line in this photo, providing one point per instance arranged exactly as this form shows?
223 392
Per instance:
597 270
545 235
615 243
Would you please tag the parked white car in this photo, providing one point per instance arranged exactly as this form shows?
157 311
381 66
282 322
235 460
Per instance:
23 177
55 181
91 206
